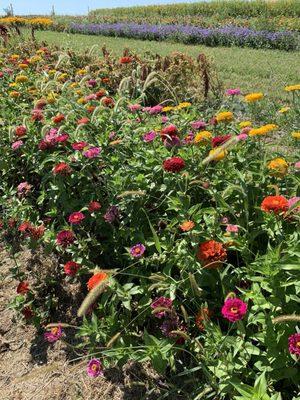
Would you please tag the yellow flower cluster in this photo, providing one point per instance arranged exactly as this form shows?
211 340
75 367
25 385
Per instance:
179 107
40 21
292 88
251 97
278 167
263 130
217 154
296 135
203 137
26 21
225 116
245 124
13 20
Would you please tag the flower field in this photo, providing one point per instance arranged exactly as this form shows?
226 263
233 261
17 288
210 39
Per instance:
170 213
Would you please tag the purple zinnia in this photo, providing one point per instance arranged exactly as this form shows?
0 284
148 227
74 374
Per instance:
233 92
198 125
164 302
54 334
94 368
112 214
294 344
149 137
92 152
137 250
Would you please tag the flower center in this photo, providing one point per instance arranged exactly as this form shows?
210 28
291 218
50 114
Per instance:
298 344
54 330
94 367
234 310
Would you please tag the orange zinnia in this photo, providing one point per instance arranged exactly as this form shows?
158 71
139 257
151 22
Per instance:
187 226
210 253
96 279
275 204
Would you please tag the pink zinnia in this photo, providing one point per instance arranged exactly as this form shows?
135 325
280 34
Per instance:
76 218
294 344
198 125
137 250
242 136
83 121
94 368
232 228
233 92
92 152
164 302
234 309
134 107
16 145
291 203
149 137
297 165
65 238
54 334
24 188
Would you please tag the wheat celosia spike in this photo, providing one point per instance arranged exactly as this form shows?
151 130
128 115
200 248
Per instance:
91 298
113 339
286 318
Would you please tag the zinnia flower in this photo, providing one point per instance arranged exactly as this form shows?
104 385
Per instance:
232 228
65 238
164 302
292 88
79 145
94 206
173 164
203 137
275 204
23 287
233 92
58 118
252 97
16 145
20 130
294 344
83 121
291 203
71 268
54 334
94 368
278 167
96 279
92 152
149 137
296 135
76 218
137 250
234 309
112 214
217 154
219 140
62 169
225 116
211 253
187 226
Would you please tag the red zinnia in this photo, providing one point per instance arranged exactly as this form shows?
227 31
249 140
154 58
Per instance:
218 140
169 132
58 118
275 204
125 60
173 164
94 206
23 287
108 102
76 218
79 145
65 238
100 93
71 268
62 169
96 279
27 312
20 131
210 253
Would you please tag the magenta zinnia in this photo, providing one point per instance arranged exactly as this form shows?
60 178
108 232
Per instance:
234 309
137 250
294 344
94 368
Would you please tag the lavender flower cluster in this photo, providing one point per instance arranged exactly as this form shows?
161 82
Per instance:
225 36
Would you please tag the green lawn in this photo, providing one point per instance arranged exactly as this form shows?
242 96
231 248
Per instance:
251 70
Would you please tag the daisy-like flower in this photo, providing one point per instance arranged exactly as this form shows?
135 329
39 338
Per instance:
94 206
71 268
76 218
234 309
187 226
275 204
137 250
211 253
92 152
294 344
173 164
65 238
54 334
94 368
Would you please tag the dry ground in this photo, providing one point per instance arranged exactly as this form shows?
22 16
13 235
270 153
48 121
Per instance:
31 369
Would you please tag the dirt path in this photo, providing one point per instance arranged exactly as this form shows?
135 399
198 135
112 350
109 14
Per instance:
31 369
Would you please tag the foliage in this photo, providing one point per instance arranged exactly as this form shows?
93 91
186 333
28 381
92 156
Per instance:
162 231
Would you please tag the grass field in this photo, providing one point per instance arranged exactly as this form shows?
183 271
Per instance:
259 70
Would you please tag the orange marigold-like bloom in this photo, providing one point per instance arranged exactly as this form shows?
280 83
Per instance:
96 279
187 226
210 253
203 314
275 204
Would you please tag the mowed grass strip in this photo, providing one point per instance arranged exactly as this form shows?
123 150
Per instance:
249 69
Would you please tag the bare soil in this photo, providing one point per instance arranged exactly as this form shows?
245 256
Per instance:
32 369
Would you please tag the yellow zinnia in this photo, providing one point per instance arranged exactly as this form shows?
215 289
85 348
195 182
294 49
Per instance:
292 88
245 124
225 116
168 108
203 137
21 79
263 130
251 97
217 154
296 135
278 167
